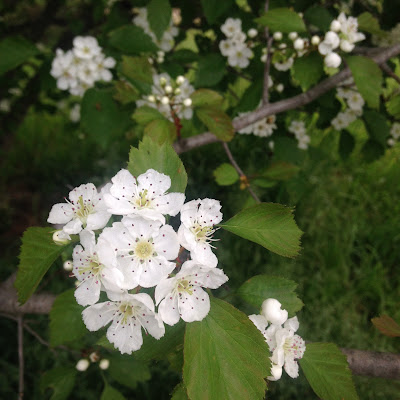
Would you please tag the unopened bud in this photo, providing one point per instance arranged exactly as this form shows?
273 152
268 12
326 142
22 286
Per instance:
177 91
180 79
187 102
278 36
61 241
315 40
163 81
104 364
168 89
280 87
164 100
298 44
252 33
94 357
293 35
77 283
82 365
151 99
335 25
68 265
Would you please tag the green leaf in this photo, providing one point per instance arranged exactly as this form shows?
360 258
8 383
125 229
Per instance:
139 72
206 97
38 253
368 23
327 371
180 393
282 20
319 17
225 175
346 144
61 380
128 371
161 158
145 114
280 171
270 225
125 93
66 324
377 126
226 357
393 106
110 393
159 16
14 51
308 70
372 150
367 77
217 122
161 131
388 326
210 70
262 287
251 97
214 9
263 183
131 39
101 118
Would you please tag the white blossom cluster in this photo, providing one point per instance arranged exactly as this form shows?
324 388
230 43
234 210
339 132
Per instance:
139 251
263 128
166 43
394 134
343 34
354 102
170 97
234 46
78 69
279 333
299 130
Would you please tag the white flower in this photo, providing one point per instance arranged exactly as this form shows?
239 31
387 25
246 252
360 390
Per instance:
231 26
391 142
277 36
346 46
280 87
75 113
355 101
86 47
240 57
349 29
104 364
303 142
293 35
145 196
315 40
395 130
183 296
195 233
95 268
298 44
82 365
276 373
143 250
284 66
5 105
335 26
129 313
271 310
252 33
297 128
265 127
330 43
332 60
85 209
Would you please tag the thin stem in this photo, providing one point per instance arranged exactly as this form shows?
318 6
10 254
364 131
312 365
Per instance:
268 40
386 69
21 356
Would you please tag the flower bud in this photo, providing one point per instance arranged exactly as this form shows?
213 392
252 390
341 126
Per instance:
164 100
293 35
298 44
346 46
82 365
332 60
187 102
68 265
168 89
163 81
94 357
391 142
335 26
315 40
278 36
180 80
77 283
282 46
271 309
104 364
252 33
177 91
60 241
151 99
280 87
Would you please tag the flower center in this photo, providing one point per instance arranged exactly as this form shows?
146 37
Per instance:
144 250
84 210
294 345
142 201
93 267
202 233
184 286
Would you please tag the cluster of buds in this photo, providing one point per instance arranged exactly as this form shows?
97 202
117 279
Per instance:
83 364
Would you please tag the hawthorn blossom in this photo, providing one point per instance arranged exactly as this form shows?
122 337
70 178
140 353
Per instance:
86 47
143 250
85 209
145 196
129 313
231 27
198 218
183 296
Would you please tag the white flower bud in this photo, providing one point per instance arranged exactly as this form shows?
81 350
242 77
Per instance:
151 99
280 87
68 265
315 40
332 60
391 142
59 241
346 46
164 100
187 102
271 309
300 14
94 357
282 46
278 36
168 89
293 35
180 80
271 145
104 364
252 33
298 44
77 283
335 26
82 365
163 81
263 58
177 91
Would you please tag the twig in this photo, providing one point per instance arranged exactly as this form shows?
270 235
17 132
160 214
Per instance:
268 40
240 172
386 69
21 356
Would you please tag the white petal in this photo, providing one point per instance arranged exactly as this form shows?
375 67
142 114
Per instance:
143 298
73 227
87 191
164 288
88 292
98 315
276 373
291 367
203 255
259 321
168 310
139 227
118 207
153 270
88 240
271 309
60 213
152 324
292 324
194 307
166 243
189 212
97 220
125 337
170 203
112 279
154 182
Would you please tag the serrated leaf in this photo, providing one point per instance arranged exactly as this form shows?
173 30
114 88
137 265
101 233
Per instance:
161 131
110 393
368 23
38 253
388 326
217 122
225 175
270 225
262 287
101 119
131 39
128 371
377 126
66 324
210 70
393 106
161 158
280 171
308 70
180 393
346 144
159 16
282 20
206 97
214 9
327 371
367 77
61 380
226 357
319 17
14 51
145 114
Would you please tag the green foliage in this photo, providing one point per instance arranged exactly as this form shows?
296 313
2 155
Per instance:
110 393
210 70
159 15
131 39
206 97
280 171
160 157
125 93
38 253
61 380
217 121
388 326
161 130
377 126
367 77
14 51
66 323
282 20
128 371
144 115
393 106
372 150
327 371
319 17
308 70
101 118
346 144
180 393
262 287
225 175
251 97
226 357
270 225
214 9
368 23
138 70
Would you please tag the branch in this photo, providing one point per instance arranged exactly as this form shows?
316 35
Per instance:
21 356
386 69
380 56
